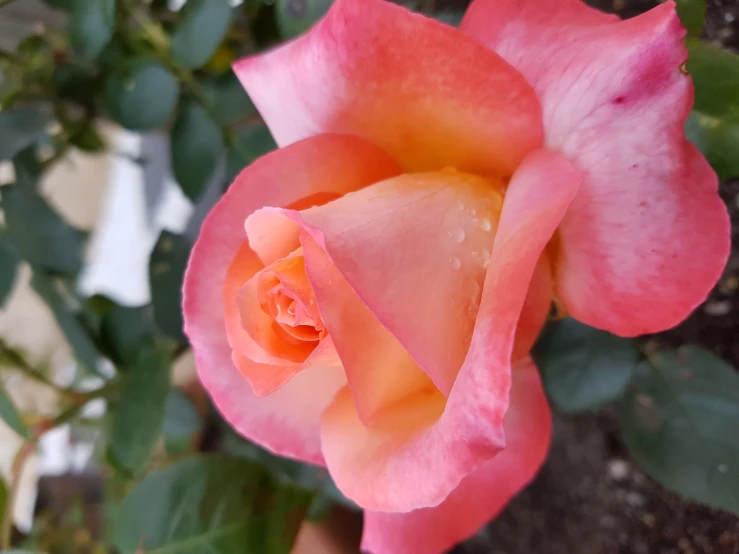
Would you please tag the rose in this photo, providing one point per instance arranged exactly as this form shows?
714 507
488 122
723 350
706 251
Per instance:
402 248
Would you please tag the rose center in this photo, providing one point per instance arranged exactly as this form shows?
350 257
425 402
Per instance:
285 294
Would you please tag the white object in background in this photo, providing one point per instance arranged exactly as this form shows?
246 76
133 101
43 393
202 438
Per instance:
123 239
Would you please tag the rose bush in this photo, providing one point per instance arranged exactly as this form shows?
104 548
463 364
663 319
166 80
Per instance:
365 297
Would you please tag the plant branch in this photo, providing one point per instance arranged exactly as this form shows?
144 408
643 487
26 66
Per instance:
17 361
159 41
16 471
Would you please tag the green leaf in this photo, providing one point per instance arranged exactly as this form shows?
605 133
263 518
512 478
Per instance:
74 82
294 17
27 167
144 97
10 415
450 17
8 268
680 422
715 72
181 422
692 15
714 124
91 26
203 25
38 234
305 476
251 143
227 99
19 129
214 504
583 368
87 139
195 149
65 310
718 139
126 331
139 412
66 5
166 270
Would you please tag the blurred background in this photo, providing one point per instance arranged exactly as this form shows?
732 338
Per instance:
120 125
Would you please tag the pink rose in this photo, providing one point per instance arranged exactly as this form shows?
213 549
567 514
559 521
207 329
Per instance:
364 298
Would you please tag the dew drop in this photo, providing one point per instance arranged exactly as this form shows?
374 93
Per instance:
459 234
485 258
485 225
456 264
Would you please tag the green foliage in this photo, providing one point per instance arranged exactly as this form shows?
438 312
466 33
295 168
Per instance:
212 504
91 26
139 412
584 368
251 143
680 421
8 268
126 331
66 312
9 414
21 127
143 97
308 477
182 422
166 268
227 99
38 234
195 149
294 17
714 124
201 30
692 15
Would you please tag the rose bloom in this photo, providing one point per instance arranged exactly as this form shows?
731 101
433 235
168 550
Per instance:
365 297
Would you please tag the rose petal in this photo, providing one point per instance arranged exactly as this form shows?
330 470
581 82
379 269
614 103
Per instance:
427 94
482 494
248 327
536 308
326 164
647 236
410 456
387 239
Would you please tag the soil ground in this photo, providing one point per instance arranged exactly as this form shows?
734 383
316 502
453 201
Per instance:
590 498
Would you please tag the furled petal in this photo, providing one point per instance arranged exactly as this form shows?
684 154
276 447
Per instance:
387 239
482 494
426 93
647 236
411 455
536 308
288 420
248 327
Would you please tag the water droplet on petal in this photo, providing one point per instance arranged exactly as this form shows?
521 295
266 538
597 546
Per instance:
456 264
485 257
485 225
459 234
